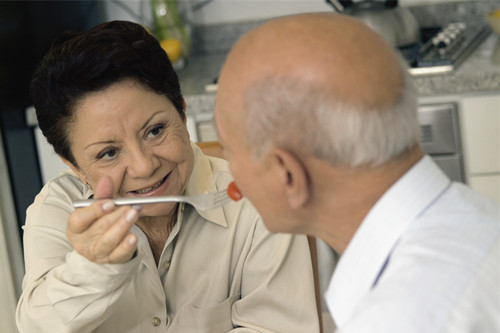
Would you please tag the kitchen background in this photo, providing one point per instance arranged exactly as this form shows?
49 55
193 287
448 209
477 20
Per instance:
459 108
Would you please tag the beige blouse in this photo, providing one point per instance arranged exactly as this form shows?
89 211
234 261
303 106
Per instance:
220 271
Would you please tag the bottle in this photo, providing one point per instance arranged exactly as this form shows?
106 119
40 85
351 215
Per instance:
170 29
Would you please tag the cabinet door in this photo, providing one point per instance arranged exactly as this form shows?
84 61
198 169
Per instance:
480 129
486 185
480 124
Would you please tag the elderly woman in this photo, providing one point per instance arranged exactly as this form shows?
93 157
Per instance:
110 104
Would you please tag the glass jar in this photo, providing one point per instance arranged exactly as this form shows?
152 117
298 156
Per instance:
169 25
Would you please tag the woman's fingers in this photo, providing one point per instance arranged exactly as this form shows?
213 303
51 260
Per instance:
125 250
116 232
81 219
104 188
101 232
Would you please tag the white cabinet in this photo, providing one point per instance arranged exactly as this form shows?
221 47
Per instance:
480 130
488 185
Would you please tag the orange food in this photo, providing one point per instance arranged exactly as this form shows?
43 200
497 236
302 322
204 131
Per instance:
234 192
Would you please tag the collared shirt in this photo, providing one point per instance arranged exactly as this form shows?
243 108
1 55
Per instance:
425 259
219 270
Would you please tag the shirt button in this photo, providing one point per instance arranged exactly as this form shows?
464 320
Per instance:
156 321
166 265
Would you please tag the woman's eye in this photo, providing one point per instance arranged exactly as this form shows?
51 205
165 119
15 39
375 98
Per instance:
107 154
156 131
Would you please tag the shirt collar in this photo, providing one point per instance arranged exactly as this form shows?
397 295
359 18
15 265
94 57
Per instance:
379 232
202 180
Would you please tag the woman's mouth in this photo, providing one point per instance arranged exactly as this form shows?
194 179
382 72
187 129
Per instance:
151 189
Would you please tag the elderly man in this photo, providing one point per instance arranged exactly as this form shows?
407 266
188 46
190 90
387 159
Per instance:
317 118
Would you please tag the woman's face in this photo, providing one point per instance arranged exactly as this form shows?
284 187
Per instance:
136 137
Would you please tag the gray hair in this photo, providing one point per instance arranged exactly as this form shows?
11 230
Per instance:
288 113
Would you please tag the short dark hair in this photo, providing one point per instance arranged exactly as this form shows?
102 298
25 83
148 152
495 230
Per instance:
79 63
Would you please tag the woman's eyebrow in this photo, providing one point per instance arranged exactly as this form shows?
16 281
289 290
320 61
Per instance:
149 119
107 142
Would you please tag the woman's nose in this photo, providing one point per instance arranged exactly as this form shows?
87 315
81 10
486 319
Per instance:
142 163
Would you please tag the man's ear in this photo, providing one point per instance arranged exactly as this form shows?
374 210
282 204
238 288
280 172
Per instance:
295 177
75 169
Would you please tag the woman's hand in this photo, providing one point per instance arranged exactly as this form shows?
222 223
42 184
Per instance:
101 232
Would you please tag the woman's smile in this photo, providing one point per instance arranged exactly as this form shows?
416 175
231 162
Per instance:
157 189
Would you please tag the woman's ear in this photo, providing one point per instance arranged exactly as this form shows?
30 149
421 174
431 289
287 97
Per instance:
75 169
295 177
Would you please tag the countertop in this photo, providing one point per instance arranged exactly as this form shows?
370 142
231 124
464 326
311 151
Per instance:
480 72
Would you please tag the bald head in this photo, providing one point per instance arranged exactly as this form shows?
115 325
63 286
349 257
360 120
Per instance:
322 84
335 51
318 113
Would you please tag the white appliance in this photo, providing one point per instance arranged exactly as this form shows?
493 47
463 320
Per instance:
11 261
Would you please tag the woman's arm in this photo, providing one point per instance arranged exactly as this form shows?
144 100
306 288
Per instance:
69 293
63 291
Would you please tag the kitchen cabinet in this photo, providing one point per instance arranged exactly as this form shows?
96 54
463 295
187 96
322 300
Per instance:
480 129
488 185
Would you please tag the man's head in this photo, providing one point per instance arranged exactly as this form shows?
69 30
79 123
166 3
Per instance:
310 88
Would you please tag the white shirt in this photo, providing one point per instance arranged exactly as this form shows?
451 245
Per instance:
425 259
220 270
